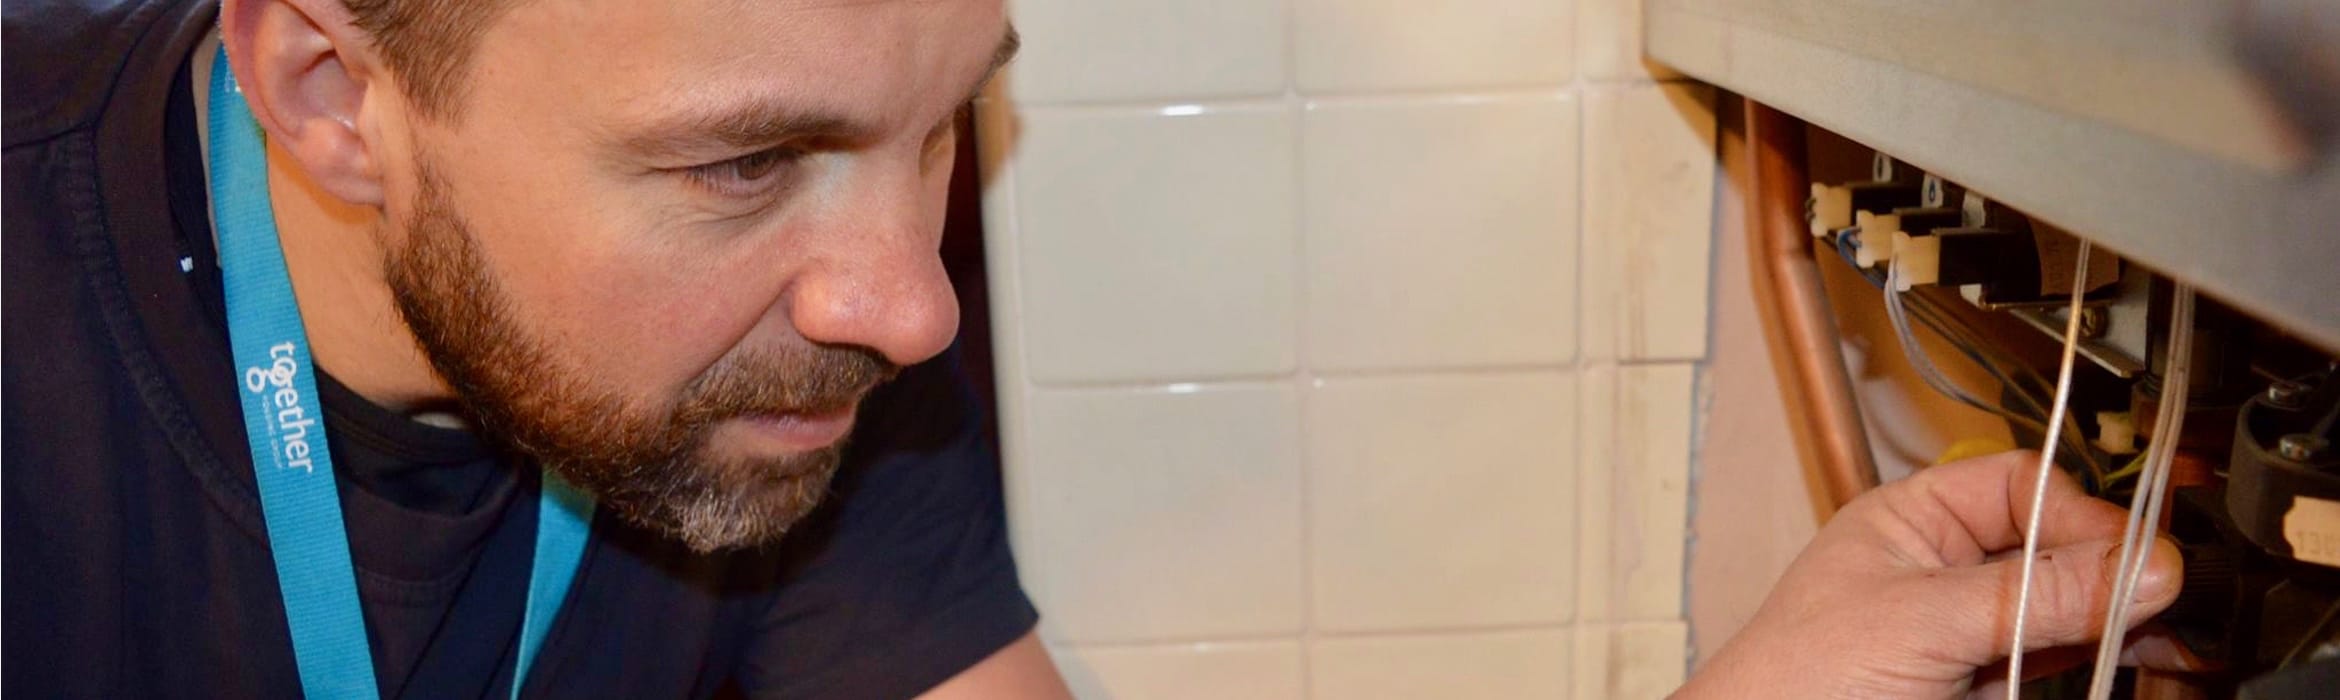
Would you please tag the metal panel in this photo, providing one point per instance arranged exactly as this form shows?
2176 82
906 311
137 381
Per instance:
2138 124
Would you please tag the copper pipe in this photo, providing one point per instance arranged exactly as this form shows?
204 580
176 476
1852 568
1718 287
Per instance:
1803 324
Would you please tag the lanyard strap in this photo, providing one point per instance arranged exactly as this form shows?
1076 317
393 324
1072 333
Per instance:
285 428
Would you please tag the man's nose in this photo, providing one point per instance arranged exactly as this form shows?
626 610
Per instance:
883 289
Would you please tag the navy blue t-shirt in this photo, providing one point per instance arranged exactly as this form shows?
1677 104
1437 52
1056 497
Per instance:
137 563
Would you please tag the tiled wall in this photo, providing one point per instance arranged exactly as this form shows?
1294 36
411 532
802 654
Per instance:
1348 348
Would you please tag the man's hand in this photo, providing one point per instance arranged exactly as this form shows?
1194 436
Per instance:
1911 589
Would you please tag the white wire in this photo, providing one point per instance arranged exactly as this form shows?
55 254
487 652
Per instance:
1898 316
2047 460
2152 485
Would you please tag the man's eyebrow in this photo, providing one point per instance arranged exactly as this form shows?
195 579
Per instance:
766 122
1009 43
758 124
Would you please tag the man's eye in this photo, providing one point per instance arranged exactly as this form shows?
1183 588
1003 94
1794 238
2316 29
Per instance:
745 175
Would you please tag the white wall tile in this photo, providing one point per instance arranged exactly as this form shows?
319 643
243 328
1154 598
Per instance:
1589 675
1432 232
1104 50
1165 515
1505 665
1631 661
1649 162
1596 458
1157 247
1440 233
1635 501
1205 671
1441 501
1608 42
1356 45
1648 659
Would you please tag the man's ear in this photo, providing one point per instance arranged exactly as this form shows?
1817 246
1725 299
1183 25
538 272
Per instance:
307 73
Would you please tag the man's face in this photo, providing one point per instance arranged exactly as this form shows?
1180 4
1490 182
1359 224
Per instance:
668 247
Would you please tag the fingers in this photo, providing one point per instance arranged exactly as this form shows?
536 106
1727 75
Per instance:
2149 647
1989 688
1974 507
2036 665
2070 589
2155 647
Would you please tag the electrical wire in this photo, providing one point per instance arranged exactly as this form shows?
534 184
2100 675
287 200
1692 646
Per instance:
1932 315
2134 467
1943 323
2047 456
1899 317
2020 382
2023 384
2152 487
1951 327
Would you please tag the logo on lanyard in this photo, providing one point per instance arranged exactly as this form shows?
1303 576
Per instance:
291 428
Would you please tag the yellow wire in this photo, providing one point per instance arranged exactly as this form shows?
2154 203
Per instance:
2135 466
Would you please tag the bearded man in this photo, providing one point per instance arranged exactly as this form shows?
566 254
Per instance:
585 299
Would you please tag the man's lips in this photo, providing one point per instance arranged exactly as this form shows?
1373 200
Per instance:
799 431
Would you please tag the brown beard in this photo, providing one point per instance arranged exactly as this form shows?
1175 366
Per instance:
651 468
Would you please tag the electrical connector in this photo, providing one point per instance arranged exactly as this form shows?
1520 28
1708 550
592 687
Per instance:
1831 209
2116 432
1877 235
1920 260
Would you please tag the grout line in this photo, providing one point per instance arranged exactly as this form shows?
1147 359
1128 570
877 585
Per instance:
1445 94
1307 636
1409 94
1578 363
1656 361
1171 386
1576 84
1157 107
1308 377
1559 625
1304 396
1434 372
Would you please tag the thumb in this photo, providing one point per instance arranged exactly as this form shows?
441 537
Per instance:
2070 589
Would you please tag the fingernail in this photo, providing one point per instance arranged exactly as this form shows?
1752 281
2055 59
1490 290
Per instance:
2163 569
2159 576
2112 562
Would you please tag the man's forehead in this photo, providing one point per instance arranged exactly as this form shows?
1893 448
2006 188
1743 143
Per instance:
845 71
818 4
866 59
717 121
774 34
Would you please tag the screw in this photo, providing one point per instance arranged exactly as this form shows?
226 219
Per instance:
2092 322
2285 393
2300 447
1931 194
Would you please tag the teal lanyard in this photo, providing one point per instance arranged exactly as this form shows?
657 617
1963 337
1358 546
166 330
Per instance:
285 427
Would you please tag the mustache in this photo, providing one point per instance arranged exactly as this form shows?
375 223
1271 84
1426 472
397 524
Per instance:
799 379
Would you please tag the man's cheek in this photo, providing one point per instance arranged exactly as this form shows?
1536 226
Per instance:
671 340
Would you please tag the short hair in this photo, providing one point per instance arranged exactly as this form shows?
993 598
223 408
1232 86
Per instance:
428 44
